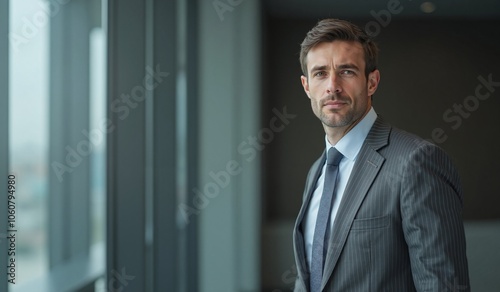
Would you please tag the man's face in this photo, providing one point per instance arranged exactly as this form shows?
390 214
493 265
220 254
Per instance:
336 84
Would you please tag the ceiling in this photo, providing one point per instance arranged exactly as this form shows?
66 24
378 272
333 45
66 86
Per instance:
363 9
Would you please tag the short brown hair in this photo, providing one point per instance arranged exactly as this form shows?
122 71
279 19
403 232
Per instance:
329 30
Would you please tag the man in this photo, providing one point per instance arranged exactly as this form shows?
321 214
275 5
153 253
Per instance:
381 207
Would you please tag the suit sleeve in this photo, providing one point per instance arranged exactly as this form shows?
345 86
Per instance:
431 210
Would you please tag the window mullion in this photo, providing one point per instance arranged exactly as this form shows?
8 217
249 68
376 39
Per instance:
61 164
77 42
126 163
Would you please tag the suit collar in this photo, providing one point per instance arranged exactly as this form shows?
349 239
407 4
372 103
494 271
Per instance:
366 169
378 136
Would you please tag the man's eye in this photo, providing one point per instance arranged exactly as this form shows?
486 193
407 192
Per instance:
319 74
347 72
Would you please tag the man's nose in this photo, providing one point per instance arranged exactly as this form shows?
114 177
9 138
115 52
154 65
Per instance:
333 84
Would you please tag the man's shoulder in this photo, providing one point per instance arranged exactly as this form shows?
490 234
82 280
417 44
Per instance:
402 145
406 138
401 140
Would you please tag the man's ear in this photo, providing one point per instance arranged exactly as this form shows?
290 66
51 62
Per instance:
373 80
305 84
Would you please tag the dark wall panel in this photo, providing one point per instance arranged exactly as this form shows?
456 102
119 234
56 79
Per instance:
428 68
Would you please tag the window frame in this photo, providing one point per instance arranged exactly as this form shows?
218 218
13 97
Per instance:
74 264
4 132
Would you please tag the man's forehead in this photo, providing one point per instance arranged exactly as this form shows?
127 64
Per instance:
339 51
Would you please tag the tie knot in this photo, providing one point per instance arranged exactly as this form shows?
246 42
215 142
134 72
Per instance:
334 157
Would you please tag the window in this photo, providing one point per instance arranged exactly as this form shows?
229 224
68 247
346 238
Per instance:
57 70
28 141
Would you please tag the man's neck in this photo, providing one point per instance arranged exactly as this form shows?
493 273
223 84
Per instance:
334 134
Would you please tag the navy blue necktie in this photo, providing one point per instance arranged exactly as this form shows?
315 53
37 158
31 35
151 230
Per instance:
320 240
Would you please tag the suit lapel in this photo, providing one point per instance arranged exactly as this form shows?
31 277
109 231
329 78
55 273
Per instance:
298 230
367 166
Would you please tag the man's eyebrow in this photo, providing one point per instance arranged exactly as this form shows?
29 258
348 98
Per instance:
319 68
339 67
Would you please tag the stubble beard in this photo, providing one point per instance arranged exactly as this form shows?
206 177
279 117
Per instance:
337 120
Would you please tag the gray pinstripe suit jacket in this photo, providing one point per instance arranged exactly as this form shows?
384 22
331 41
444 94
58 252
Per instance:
399 226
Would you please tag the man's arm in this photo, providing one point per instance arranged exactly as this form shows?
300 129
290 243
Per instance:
431 208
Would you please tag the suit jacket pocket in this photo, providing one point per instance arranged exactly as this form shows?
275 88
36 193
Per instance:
371 223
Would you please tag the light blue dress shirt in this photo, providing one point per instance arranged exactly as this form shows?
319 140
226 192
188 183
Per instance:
349 146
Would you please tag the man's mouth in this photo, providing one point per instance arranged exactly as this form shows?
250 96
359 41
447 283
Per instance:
334 104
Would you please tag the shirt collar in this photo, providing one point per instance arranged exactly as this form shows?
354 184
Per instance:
351 143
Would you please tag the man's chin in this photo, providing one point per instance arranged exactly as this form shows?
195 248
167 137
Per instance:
334 123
